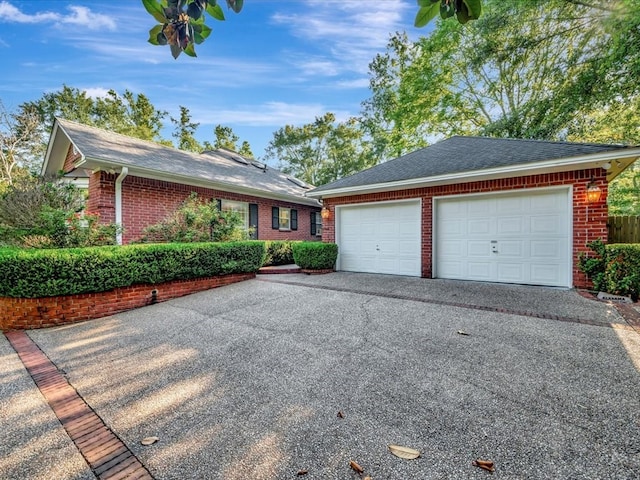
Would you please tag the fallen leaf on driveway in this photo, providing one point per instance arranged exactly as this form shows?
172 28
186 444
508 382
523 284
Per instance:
404 452
340 414
356 467
485 465
149 441
462 332
302 472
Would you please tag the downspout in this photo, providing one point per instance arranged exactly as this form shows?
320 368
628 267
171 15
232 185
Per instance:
119 180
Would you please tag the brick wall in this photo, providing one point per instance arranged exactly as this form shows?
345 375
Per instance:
27 313
146 202
70 159
583 230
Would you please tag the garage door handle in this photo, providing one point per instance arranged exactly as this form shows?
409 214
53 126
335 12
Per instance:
377 248
494 246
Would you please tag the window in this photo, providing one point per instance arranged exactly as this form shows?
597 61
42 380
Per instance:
284 219
316 224
241 208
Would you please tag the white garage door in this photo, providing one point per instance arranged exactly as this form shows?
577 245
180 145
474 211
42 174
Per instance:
518 237
380 238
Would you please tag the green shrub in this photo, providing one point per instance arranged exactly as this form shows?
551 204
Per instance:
622 275
315 255
594 264
42 273
279 252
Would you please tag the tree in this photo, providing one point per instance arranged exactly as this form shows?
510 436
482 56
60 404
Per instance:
322 151
226 138
525 70
185 130
17 133
182 22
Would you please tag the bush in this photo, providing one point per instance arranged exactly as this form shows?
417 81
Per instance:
613 268
43 273
278 252
315 255
197 221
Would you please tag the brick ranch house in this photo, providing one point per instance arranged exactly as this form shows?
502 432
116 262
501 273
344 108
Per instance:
136 183
473 208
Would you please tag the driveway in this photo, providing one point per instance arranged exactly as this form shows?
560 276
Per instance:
246 382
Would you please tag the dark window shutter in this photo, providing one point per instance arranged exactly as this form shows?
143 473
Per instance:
219 204
313 223
294 219
275 218
253 219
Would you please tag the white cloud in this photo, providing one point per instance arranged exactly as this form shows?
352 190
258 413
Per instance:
96 92
78 16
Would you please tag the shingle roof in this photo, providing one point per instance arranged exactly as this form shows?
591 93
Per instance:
465 154
111 149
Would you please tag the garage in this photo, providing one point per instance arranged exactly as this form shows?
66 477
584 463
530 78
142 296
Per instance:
380 238
517 237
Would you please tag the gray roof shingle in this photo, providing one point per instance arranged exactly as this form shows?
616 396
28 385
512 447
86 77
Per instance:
465 154
111 149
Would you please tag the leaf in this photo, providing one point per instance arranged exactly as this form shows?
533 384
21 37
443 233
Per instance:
484 464
155 9
205 31
153 35
215 11
302 472
149 441
404 452
462 332
190 50
354 466
426 14
474 8
340 414
235 5
175 50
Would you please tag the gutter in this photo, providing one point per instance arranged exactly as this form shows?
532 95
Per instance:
119 180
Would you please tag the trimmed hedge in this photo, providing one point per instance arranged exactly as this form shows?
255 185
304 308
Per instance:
47 273
278 252
315 255
613 268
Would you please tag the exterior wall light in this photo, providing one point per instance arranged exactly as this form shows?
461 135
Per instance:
325 213
593 192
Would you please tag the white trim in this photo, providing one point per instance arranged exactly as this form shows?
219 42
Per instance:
570 206
520 170
119 180
338 208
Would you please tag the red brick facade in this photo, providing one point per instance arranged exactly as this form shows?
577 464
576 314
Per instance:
25 313
146 202
583 231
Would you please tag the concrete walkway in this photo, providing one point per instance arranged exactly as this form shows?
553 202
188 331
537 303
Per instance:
246 381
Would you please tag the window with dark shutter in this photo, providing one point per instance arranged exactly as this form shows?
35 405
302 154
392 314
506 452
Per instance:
294 219
313 223
275 218
253 220
219 204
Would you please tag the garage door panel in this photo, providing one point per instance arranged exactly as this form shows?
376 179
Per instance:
381 238
529 230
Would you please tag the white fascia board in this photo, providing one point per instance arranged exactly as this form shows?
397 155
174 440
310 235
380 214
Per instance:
97 164
57 136
520 170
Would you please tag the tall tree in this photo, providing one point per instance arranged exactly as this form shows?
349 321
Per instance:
322 151
525 69
185 131
17 134
227 138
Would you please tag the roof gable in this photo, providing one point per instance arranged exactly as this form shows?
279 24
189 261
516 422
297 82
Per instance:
460 155
220 169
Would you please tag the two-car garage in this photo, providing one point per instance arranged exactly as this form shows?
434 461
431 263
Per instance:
521 236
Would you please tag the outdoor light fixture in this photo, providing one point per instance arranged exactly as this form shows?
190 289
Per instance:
325 213
593 192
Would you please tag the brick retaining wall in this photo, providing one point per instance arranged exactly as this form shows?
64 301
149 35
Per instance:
26 313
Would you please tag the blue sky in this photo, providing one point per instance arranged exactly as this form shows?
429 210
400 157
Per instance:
278 62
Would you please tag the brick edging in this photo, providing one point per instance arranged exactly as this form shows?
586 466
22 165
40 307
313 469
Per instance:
27 313
107 456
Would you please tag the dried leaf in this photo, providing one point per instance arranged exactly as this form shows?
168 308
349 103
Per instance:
356 467
367 478
149 440
404 452
340 414
462 332
485 465
302 472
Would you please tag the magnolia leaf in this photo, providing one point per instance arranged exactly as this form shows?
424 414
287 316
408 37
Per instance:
149 440
302 472
462 332
154 38
426 14
484 464
205 31
340 414
404 452
354 466
235 5
155 9
190 50
175 50
474 8
426 3
215 11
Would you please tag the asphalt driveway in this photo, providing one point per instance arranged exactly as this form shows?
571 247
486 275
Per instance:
246 382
